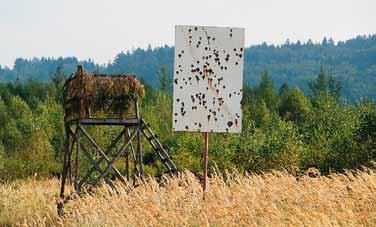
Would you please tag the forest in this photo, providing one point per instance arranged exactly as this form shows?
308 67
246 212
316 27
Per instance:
296 63
284 128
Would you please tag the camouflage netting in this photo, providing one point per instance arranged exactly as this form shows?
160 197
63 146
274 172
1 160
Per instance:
101 96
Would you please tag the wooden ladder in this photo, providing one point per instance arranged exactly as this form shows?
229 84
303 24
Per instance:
158 148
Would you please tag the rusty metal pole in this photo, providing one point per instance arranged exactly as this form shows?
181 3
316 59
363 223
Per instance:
206 147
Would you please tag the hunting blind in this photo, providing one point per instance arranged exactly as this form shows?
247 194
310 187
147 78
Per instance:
92 100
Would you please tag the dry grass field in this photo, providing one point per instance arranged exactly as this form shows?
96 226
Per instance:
270 199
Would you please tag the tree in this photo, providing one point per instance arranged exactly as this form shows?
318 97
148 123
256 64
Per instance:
326 84
164 80
294 105
266 92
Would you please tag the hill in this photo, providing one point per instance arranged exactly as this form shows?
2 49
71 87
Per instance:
352 61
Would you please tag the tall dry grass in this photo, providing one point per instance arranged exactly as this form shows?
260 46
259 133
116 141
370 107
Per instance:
270 199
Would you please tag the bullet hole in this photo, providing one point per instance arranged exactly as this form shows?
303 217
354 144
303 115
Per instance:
181 87
240 55
179 66
190 37
234 49
176 81
190 42
179 55
176 114
230 35
209 37
200 38
224 87
199 125
195 28
186 127
177 72
175 121
229 95
189 78
241 49
199 42
208 117
213 39
230 29
207 88
197 78
226 129
221 67
236 63
189 30
182 51
229 124
225 67
206 48
177 100
198 62
182 103
197 46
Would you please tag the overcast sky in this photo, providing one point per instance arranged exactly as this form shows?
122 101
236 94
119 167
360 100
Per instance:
99 29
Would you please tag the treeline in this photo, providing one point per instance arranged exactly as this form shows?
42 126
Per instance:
282 128
353 62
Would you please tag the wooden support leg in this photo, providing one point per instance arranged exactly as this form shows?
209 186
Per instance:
139 152
60 205
77 161
126 154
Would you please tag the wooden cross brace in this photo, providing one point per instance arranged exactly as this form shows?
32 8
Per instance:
103 156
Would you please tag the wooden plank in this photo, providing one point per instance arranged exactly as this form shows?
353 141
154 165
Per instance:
114 159
100 152
105 121
112 145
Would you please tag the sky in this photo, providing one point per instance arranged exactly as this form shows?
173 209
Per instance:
100 29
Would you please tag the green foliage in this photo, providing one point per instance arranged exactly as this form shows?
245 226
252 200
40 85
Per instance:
280 130
294 106
274 146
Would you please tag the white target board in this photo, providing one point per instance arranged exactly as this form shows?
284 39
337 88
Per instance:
208 79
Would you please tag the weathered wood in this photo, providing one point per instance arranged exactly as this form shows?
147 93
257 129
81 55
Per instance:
105 121
112 145
126 155
96 165
77 161
114 158
139 144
